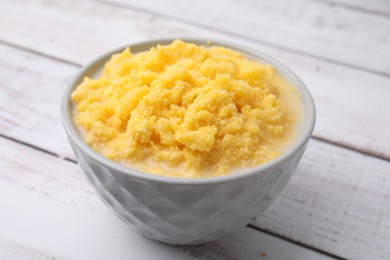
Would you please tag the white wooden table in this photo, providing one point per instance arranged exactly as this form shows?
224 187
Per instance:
336 206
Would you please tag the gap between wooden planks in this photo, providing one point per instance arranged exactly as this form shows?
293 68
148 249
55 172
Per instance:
339 92
51 212
309 28
373 7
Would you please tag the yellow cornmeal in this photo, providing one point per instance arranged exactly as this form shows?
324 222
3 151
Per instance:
187 111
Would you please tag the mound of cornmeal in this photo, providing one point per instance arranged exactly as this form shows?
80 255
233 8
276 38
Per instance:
187 111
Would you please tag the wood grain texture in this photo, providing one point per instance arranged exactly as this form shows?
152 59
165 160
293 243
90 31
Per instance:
373 7
351 105
309 28
31 90
338 201
56 215
14 250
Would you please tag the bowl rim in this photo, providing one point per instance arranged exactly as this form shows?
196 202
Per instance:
306 101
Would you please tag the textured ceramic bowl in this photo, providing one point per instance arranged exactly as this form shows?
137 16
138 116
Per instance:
180 210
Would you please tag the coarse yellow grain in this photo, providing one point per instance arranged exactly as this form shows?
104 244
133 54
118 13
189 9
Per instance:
187 111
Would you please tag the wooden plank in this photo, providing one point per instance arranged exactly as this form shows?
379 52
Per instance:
48 211
373 7
347 115
31 89
338 201
14 250
310 28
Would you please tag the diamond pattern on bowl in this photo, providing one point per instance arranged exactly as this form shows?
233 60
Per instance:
140 190
184 198
183 213
160 205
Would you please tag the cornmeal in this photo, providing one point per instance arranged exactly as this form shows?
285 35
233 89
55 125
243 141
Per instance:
187 111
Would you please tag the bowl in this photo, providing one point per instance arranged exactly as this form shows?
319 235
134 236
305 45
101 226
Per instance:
182 210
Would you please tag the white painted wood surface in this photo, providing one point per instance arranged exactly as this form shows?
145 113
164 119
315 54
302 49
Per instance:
310 28
338 201
375 7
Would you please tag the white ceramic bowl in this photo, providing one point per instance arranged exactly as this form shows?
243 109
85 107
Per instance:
182 210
